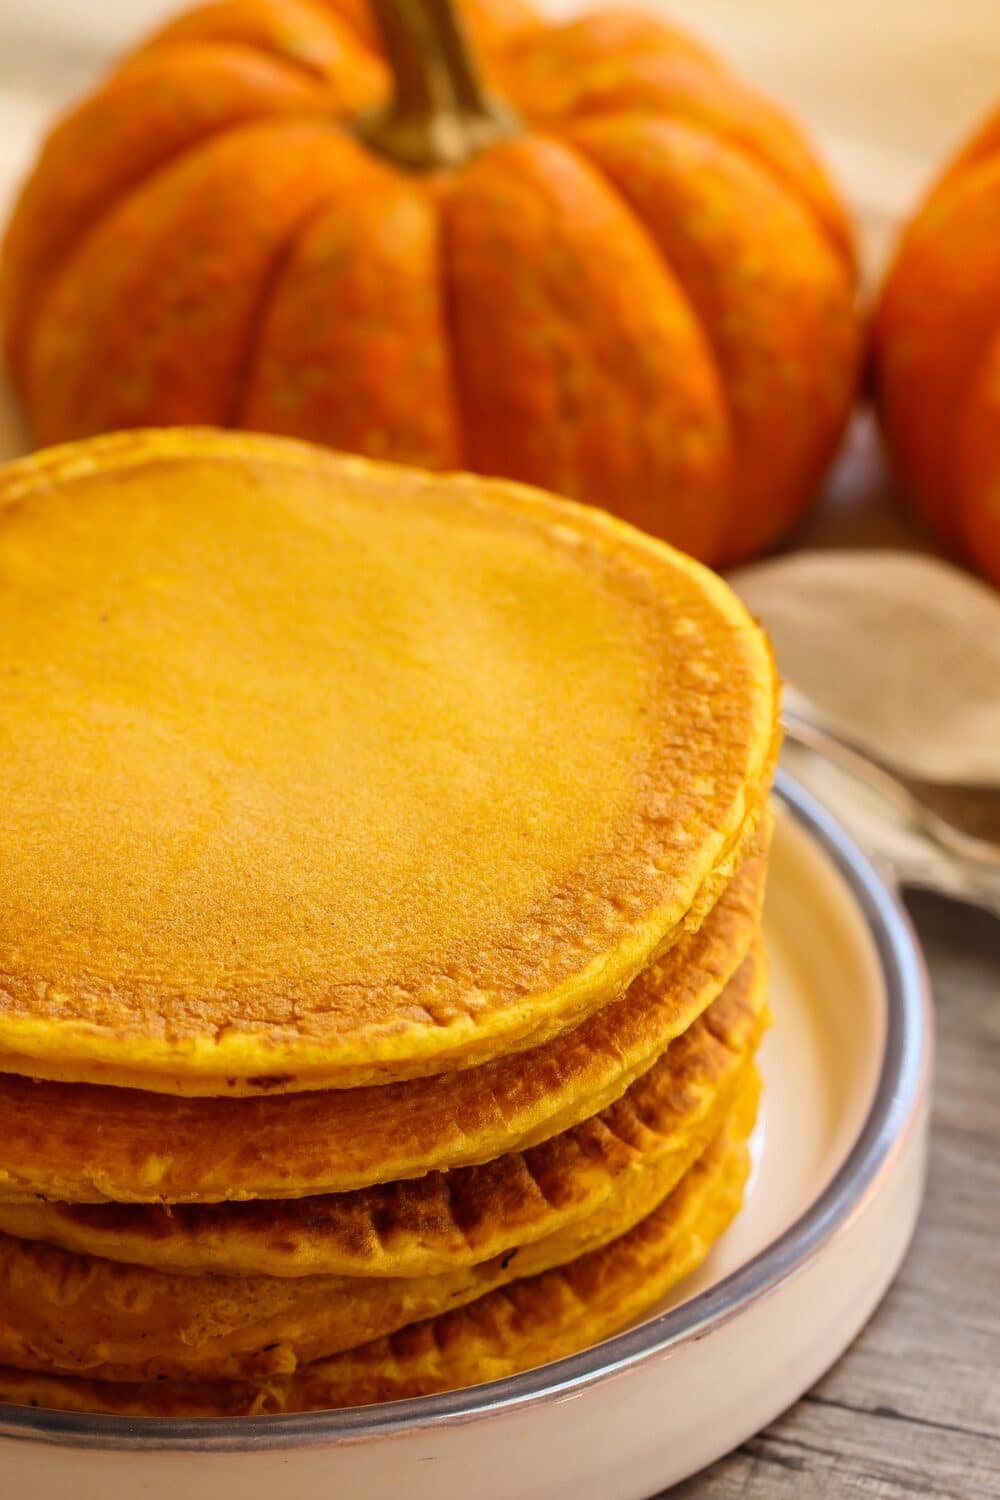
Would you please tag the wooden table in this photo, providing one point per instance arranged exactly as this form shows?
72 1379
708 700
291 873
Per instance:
913 1408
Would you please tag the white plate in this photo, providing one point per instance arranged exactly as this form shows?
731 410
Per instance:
839 1160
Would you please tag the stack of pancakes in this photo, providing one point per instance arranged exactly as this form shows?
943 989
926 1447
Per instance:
380 968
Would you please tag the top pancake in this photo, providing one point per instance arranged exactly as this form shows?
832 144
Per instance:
323 773
82 1143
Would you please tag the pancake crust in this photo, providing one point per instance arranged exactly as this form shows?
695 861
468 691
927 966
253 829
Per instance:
85 1144
514 1328
323 773
78 1314
433 1224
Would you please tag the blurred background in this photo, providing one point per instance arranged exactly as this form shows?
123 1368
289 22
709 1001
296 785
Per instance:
888 91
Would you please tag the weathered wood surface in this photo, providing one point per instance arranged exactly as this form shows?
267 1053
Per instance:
913 1408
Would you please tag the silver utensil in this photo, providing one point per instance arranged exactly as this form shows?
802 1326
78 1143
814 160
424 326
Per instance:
964 819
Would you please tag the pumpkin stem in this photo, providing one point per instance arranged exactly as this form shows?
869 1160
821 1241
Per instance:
440 113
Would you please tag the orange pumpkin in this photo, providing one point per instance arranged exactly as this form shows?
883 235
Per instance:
630 282
937 352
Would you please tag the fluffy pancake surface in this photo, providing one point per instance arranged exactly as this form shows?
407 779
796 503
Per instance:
531 739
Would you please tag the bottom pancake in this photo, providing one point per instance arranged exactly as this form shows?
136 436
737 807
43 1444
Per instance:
82 1315
528 1323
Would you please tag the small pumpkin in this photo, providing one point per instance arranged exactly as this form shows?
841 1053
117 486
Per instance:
629 281
937 355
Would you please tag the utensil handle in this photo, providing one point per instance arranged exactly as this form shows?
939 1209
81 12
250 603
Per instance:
973 882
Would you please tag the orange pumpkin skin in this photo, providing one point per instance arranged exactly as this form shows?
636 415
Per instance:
646 300
937 355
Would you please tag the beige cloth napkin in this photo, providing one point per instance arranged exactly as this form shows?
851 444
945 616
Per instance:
902 652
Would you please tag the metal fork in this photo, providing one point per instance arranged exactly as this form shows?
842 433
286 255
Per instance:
962 819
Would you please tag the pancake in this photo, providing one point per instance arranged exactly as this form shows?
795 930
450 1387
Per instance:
326 773
432 1224
527 1323
78 1314
84 1144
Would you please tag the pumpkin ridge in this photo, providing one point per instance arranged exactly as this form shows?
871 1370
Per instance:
269 282
840 246
143 177
978 429
942 199
984 145
172 34
353 349
785 221
936 504
707 93
449 333
838 237
303 144
148 55
140 184
569 369
710 348
958 525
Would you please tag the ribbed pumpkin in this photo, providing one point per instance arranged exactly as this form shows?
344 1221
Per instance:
937 345
630 281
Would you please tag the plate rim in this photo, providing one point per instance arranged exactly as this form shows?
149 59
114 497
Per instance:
894 1112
